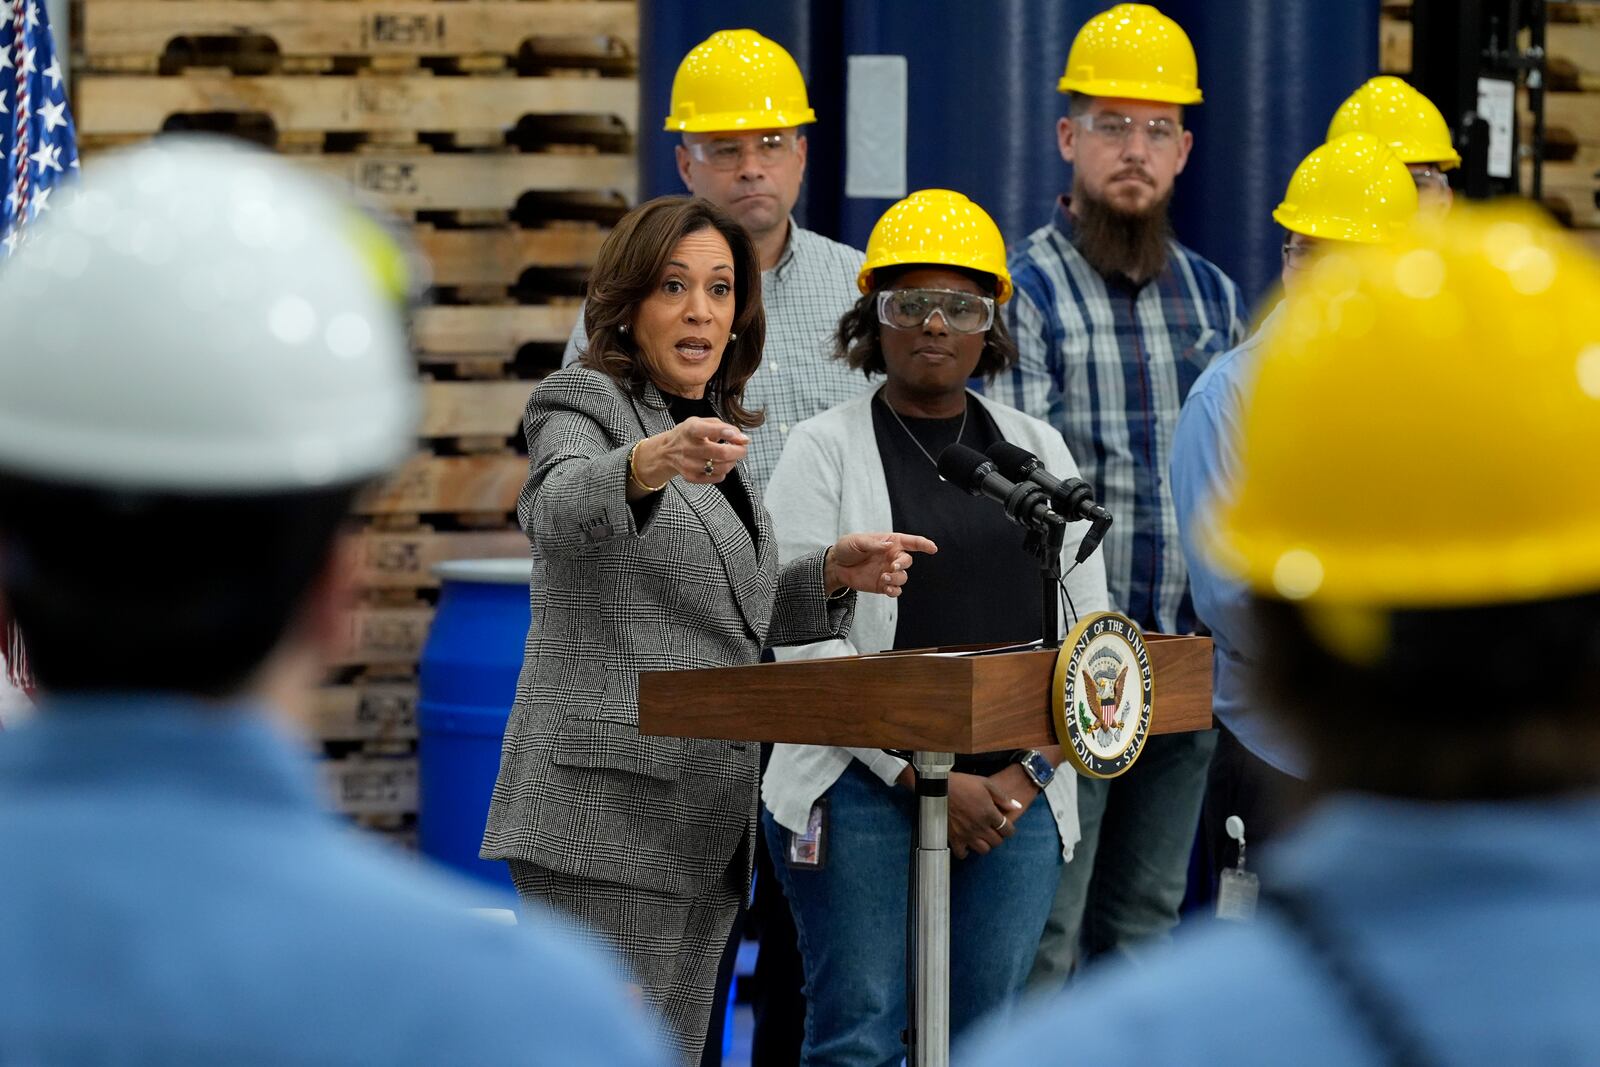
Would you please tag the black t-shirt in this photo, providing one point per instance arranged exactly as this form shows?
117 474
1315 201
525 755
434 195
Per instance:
732 486
981 587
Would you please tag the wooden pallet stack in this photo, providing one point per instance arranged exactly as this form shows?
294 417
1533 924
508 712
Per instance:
1572 106
503 132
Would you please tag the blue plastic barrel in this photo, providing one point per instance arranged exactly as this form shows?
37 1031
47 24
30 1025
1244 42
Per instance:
470 666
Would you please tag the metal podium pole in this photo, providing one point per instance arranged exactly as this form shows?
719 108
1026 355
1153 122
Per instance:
929 1020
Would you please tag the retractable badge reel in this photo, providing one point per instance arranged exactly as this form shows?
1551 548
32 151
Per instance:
1238 888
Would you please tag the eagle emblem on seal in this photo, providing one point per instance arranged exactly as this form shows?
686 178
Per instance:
1105 679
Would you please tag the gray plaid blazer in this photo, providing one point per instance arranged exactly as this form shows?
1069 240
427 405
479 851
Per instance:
580 790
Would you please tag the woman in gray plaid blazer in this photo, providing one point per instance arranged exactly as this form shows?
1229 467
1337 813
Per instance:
650 553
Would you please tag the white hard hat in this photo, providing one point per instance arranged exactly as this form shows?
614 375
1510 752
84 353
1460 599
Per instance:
202 317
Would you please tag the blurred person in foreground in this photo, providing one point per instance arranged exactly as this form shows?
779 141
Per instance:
1435 645
652 551
204 363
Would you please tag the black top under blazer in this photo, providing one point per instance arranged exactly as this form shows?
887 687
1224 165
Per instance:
580 791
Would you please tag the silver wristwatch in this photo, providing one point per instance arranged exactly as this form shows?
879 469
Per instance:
1036 767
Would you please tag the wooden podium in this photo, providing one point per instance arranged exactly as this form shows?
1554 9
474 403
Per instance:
935 704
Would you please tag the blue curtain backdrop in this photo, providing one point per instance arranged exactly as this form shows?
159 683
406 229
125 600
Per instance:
981 83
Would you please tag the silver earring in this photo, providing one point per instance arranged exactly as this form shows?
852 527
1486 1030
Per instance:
732 336
623 328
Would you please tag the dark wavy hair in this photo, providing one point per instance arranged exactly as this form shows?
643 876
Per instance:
627 271
859 345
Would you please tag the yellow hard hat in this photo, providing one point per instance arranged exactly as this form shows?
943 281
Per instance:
1399 116
738 80
1133 51
1350 189
937 226
1423 424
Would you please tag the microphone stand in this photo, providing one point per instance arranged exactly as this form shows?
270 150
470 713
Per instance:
1045 546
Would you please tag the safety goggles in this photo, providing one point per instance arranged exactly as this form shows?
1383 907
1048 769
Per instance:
910 309
1117 129
1429 179
726 153
1297 254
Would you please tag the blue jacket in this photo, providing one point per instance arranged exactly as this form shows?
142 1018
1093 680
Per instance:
171 893
1474 924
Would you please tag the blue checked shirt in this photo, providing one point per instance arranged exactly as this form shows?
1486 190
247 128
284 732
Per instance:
805 295
1109 364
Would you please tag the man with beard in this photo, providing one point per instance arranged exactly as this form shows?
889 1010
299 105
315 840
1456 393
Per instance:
1115 319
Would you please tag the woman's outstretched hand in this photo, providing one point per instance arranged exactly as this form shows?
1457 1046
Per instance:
872 562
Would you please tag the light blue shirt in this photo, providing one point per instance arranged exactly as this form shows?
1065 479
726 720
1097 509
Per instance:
1205 462
171 893
1477 924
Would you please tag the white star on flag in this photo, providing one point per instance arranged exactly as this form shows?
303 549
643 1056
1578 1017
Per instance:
40 201
53 72
2 102
33 15
11 239
27 61
47 157
5 59
53 115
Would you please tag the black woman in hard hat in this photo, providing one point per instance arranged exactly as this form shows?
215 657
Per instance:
651 553
1438 659
839 821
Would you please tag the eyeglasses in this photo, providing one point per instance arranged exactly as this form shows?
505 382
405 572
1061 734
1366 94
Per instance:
910 309
1297 255
1429 179
1117 129
726 153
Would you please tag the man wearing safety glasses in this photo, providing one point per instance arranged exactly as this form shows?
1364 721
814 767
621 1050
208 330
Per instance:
1413 128
739 101
1115 320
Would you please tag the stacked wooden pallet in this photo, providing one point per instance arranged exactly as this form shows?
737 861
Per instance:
503 132
1572 106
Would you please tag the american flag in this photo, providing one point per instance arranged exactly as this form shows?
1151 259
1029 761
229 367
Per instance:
36 138
38 150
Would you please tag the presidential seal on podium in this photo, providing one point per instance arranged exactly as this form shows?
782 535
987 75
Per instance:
1101 695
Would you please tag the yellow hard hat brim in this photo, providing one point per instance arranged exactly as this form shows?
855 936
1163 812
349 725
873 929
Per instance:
733 121
1411 152
1326 228
1130 90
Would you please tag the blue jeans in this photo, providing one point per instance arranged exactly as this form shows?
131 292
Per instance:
1123 888
851 919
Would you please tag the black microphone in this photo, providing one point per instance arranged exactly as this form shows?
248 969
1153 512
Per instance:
1026 504
1073 497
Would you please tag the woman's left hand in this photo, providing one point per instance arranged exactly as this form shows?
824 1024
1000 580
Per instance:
872 563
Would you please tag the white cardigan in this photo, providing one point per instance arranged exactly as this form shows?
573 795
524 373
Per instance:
828 482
